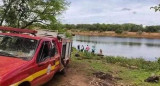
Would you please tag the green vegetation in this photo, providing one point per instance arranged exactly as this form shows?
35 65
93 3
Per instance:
119 31
157 8
135 63
29 13
132 71
118 28
68 35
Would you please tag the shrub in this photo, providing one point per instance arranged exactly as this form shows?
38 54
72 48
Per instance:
139 32
68 35
119 31
137 62
125 32
158 60
87 55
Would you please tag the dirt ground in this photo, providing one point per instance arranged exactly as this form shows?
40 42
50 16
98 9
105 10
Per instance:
69 79
77 75
74 76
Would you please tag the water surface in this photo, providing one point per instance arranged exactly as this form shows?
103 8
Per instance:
148 49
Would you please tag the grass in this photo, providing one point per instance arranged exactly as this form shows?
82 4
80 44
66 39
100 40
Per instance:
138 63
135 63
120 67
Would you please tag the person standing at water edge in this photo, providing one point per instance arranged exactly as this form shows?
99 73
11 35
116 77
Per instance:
87 48
82 48
93 49
100 51
78 47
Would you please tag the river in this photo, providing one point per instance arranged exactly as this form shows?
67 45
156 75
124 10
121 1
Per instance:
149 49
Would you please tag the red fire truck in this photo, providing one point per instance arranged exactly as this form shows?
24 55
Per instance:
30 60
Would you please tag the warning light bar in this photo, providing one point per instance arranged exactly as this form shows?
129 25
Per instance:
17 30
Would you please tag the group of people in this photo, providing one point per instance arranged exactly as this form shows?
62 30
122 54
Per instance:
87 49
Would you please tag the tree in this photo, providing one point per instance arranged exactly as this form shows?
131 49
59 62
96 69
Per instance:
119 31
157 8
24 13
152 28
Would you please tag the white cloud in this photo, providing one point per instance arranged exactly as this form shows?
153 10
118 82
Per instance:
110 11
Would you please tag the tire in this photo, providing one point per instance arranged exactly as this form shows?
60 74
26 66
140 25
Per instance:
63 71
25 84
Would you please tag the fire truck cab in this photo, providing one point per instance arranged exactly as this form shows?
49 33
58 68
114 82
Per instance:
30 60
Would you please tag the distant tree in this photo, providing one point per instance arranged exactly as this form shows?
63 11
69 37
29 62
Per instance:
113 27
119 31
157 8
24 13
70 26
102 27
152 28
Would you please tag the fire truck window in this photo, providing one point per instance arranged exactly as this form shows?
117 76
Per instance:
19 47
44 51
53 50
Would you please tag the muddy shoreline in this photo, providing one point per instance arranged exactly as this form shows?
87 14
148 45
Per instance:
113 34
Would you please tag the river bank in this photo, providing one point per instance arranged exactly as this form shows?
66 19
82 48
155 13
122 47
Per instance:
113 34
92 70
128 72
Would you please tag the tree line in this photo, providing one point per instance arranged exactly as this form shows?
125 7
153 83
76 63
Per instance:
113 27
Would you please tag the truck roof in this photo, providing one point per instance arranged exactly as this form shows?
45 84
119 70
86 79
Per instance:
27 36
25 33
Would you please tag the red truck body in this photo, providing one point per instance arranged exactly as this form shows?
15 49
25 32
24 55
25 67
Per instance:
49 55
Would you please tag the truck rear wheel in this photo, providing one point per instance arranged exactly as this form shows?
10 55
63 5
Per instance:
25 84
63 71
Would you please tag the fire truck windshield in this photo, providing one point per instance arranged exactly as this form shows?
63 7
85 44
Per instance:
17 47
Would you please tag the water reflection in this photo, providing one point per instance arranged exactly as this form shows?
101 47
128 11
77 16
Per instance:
118 46
116 43
152 45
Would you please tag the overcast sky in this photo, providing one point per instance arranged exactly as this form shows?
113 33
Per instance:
111 12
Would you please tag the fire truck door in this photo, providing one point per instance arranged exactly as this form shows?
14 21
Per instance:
43 68
54 58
